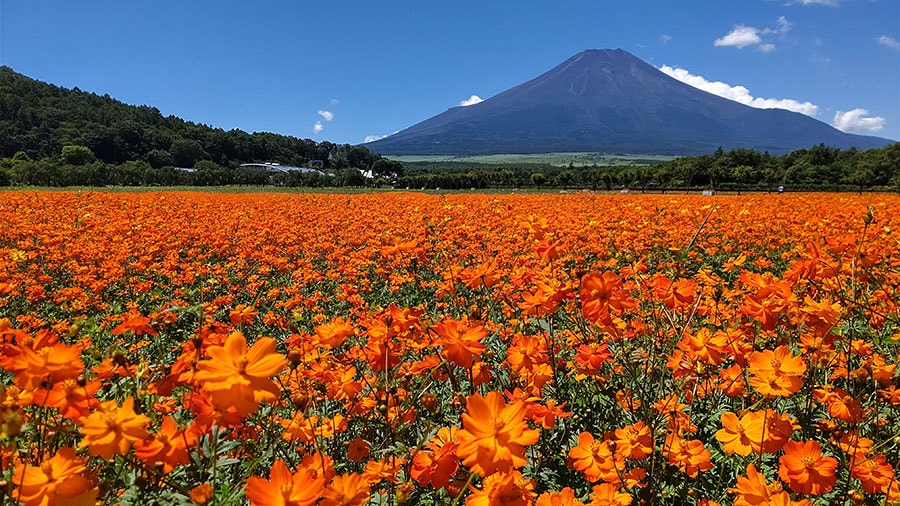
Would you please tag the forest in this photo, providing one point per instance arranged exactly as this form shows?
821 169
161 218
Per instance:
53 136
816 168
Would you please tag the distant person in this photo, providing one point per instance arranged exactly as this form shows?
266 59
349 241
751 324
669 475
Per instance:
781 189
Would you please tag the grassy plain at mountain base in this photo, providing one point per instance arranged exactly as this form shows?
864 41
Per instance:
555 159
207 348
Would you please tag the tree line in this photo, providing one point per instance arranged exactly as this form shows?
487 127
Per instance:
817 168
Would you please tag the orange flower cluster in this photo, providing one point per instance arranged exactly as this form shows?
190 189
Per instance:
549 350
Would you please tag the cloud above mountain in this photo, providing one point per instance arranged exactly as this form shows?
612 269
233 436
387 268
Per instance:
474 99
739 93
857 121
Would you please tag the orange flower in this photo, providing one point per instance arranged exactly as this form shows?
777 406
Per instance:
112 429
594 458
239 377
776 373
752 490
507 488
565 497
437 464
346 490
242 314
805 469
875 474
601 293
740 436
46 364
285 489
461 342
72 400
357 449
634 441
169 446
608 494
334 332
690 456
61 480
201 493
136 323
494 434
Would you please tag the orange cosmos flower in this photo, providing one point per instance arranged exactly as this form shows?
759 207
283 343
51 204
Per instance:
752 490
461 342
508 488
72 400
357 449
608 494
60 480
45 364
202 493
334 332
112 429
238 376
600 293
242 314
875 474
169 446
136 323
805 469
565 497
741 436
594 458
589 359
690 456
634 441
285 489
776 373
346 490
494 434
438 463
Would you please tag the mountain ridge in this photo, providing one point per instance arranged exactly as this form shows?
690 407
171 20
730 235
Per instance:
610 101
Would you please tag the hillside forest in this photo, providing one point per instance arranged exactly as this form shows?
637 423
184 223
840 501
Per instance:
52 136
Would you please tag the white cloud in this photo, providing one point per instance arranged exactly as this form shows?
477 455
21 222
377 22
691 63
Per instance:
784 26
890 42
857 121
335 102
474 99
739 93
741 36
832 3
328 115
318 127
665 38
373 138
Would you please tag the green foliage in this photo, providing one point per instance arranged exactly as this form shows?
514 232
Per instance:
77 155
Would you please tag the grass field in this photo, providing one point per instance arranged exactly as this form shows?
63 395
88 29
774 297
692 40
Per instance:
558 159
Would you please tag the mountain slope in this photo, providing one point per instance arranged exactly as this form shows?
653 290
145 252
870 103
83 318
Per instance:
610 101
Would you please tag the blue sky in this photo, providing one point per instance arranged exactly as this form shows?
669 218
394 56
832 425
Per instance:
344 71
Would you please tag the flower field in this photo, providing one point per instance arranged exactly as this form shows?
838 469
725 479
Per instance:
404 348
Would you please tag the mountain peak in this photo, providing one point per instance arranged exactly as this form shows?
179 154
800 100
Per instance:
610 101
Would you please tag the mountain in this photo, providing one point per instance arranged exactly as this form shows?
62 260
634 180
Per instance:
610 101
